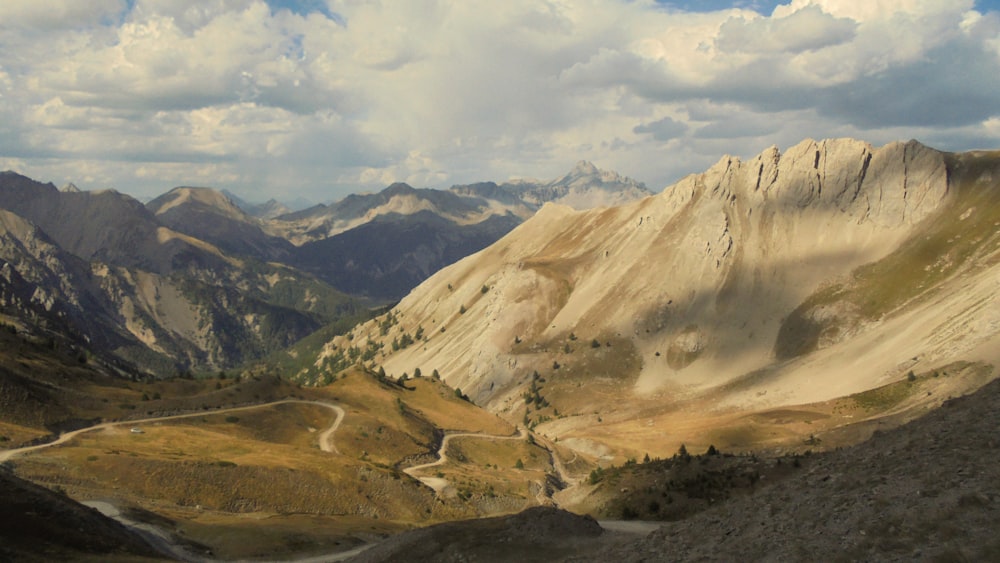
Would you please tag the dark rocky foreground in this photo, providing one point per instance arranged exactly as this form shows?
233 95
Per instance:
37 524
926 491
537 534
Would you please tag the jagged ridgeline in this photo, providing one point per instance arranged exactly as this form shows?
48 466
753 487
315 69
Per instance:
785 279
192 281
99 272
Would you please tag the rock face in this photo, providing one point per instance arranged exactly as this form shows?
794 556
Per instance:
783 279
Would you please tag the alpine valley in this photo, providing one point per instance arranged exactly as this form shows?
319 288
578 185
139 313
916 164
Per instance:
773 346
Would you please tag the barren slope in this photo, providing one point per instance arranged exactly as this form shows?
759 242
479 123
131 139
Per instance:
786 279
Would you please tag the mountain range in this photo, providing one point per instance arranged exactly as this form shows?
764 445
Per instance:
190 280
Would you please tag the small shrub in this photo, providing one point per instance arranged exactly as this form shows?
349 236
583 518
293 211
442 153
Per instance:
232 419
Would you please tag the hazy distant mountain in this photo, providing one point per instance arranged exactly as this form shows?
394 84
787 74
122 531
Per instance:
209 215
386 257
268 210
583 187
781 280
399 201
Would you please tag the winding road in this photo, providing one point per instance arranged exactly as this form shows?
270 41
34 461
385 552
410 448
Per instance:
439 484
163 542
325 439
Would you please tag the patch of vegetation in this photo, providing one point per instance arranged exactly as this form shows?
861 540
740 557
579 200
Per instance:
887 396
685 484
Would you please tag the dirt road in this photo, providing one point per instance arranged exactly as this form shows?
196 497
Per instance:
439 484
325 439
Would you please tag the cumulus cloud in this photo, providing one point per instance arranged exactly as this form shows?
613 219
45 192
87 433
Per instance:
806 29
290 97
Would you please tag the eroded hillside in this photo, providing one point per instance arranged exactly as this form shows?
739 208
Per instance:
786 279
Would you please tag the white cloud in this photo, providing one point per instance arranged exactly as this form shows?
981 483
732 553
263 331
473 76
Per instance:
57 14
806 29
235 94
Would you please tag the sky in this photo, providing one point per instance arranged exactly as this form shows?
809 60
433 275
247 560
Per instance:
316 99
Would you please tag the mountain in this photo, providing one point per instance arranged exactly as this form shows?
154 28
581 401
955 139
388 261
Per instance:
102 272
382 245
784 280
268 210
105 225
191 279
386 257
584 187
209 215
396 201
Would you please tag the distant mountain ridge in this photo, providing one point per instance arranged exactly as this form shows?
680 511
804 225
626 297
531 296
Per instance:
583 187
382 245
192 280
211 216
105 273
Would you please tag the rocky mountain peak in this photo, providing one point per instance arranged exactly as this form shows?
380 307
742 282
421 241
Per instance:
398 188
70 188
182 196
585 167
